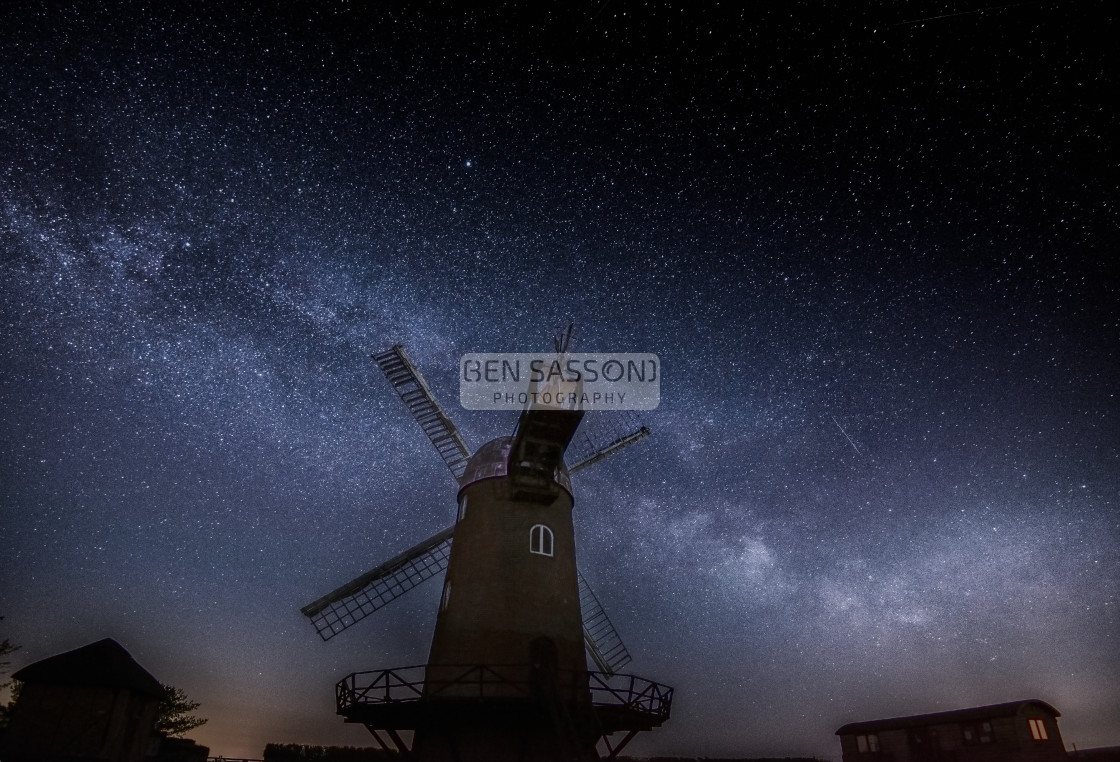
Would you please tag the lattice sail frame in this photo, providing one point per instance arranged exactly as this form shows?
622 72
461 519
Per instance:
599 635
364 595
415 394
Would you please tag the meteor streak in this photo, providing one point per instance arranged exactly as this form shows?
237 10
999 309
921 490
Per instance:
853 444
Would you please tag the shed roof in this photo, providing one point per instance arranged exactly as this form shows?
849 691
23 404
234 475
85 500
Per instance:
104 664
973 714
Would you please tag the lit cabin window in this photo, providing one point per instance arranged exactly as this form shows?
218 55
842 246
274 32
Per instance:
540 540
1038 730
868 743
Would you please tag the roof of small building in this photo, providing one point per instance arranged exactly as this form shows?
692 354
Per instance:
105 664
972 714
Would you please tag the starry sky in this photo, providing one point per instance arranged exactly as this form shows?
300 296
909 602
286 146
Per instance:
868 241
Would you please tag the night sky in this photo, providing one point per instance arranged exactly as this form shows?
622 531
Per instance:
870 242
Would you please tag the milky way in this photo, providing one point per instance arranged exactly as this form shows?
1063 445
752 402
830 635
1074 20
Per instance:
871 249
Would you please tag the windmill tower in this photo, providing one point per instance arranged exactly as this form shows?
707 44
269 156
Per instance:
506 677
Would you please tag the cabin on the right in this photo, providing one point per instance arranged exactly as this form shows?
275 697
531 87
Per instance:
1018 731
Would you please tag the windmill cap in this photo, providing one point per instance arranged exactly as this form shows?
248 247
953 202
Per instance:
491 461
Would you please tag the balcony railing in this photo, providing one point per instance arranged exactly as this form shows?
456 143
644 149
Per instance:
508 681
631 692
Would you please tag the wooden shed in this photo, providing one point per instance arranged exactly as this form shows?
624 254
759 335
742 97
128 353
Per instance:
1018 731
93 703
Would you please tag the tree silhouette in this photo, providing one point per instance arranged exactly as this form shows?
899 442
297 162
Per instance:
6 648
173 715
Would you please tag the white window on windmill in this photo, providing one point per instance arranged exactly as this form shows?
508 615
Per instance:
446 596
462 508
540 540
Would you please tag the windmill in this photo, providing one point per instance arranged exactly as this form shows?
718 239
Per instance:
506 676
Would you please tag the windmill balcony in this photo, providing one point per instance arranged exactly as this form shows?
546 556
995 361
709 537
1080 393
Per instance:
396 698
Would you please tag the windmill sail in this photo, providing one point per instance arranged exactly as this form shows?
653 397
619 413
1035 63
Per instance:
601 435
609 449
414 392
359 598
599 636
